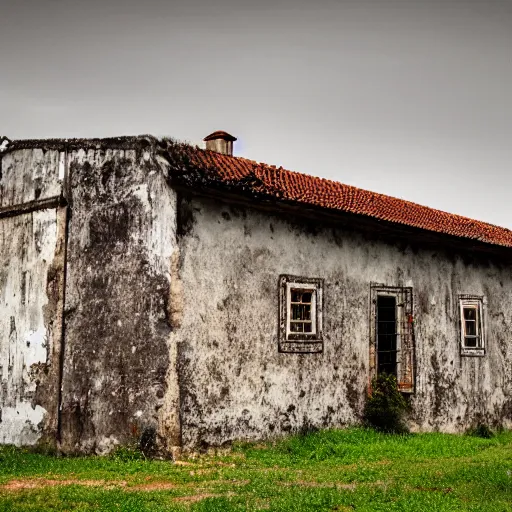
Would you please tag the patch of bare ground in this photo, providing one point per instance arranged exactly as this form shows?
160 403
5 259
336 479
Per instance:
236 483
184 463
335 485
40 483
155 486
303 483
208 463
200 472
163 486
262 504
194 498
225 464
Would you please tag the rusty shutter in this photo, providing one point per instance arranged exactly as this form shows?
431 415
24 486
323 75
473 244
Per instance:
406 357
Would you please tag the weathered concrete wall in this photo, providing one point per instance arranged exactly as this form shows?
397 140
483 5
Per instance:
30 175
32 248
94 228
118 381
235 385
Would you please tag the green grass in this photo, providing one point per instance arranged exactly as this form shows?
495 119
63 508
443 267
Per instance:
342 470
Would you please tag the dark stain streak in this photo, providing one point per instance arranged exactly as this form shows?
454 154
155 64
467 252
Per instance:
116 340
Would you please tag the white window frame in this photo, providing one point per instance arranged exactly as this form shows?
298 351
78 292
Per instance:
303 287
300 342
477 303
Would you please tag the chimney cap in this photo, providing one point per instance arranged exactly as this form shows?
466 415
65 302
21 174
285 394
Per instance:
219 134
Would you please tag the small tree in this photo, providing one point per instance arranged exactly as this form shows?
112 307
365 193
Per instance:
385 406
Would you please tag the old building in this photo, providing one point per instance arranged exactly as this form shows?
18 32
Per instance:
150 289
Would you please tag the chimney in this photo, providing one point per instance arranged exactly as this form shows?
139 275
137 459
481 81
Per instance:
221 142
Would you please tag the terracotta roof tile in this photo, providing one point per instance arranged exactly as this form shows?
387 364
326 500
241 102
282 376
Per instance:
284 185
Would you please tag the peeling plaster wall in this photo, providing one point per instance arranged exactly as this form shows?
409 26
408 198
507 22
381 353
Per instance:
118 378
31 293
235 385
29 175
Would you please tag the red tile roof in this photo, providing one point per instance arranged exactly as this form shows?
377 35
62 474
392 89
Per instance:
302 189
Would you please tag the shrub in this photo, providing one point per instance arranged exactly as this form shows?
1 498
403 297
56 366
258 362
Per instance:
127 454
481 430
385 406
148 442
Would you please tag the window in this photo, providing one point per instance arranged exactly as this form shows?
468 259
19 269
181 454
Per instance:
471 325
302 304
392 334
300 314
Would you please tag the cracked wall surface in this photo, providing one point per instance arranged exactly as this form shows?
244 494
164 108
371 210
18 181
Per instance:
235 385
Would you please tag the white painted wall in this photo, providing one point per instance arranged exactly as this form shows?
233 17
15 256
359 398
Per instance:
28 244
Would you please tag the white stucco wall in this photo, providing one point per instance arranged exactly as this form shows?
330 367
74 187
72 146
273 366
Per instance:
32 227
27 248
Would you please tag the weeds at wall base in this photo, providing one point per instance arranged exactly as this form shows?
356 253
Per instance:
481 430
386 408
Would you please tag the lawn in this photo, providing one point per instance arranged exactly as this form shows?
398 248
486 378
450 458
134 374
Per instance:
341 470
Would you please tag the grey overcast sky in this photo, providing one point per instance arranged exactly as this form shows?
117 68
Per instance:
411 98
